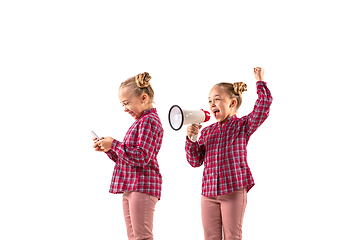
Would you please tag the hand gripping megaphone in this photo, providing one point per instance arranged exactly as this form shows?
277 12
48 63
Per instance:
179 117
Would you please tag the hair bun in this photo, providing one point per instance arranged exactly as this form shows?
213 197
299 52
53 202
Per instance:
143 80
239 88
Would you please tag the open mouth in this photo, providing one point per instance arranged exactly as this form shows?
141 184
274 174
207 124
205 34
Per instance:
216 112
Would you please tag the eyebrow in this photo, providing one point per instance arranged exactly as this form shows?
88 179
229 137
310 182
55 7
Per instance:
217 95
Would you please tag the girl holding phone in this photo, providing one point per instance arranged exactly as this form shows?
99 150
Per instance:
136 172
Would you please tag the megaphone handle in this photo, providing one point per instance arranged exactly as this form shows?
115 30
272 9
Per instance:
194 137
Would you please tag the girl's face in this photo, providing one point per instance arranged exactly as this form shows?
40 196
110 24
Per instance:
221 105
132 104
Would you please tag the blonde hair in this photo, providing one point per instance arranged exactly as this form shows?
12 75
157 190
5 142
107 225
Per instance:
234 90
139 84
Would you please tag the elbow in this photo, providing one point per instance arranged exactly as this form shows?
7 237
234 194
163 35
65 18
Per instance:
270 99
267 100
194 159
265 104
195 163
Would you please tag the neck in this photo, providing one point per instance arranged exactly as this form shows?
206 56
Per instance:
224 121
148 106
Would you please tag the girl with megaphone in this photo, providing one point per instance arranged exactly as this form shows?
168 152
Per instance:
136 173
222 149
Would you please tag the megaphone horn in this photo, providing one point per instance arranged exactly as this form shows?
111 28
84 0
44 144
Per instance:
179 117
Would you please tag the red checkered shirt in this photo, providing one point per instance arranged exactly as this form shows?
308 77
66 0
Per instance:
222 149
136 166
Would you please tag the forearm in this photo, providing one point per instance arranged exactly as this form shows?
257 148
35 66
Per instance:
135 156
194 154
263 103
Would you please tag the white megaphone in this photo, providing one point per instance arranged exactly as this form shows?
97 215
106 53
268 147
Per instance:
179 117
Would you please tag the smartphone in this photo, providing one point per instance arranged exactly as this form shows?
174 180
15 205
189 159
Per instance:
94 135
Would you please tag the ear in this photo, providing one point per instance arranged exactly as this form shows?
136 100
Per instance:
233 103
144 98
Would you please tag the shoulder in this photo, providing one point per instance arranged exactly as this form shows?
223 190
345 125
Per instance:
241 121
152 121
243 118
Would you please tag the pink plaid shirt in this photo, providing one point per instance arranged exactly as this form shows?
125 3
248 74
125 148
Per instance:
136 166
222 149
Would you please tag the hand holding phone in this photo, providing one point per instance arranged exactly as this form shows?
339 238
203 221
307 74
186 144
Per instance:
96 142
94 135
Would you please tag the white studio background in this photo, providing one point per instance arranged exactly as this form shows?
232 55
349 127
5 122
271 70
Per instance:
63 61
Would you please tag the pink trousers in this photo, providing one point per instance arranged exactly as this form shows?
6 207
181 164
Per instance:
138 211
224 212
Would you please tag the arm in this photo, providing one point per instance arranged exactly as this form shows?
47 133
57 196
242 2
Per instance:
261 109
195 151
143 147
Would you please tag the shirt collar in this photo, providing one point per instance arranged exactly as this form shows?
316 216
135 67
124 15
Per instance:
229 120
148 111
